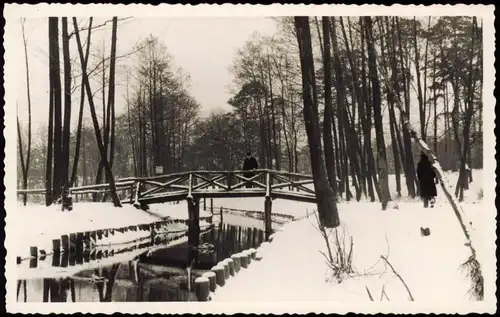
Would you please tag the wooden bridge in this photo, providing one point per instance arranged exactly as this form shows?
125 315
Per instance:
203 184
216 184
195 185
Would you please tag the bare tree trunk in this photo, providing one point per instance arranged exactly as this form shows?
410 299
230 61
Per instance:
161 132
80 114
111 92
267 121
273 118
409 163
110 126
434 97
385 195
390 101
28 94
328 113
95 122
105 123
285 132
357 98
50 132
421 105
84 168
350 136
469 111
58 157
67 103
143 136
366 123
426 58
318 30
21 156
343 159
327 207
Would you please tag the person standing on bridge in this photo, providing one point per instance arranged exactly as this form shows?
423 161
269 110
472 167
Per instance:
427 180
250 164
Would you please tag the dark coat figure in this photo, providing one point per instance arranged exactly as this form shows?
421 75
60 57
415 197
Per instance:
250 164
427 179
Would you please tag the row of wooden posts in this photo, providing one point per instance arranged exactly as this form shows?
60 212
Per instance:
221 272
193 204
79 244
80 247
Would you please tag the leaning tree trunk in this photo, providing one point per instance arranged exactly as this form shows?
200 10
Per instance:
21 157
473 264
327 206
102 150
80 113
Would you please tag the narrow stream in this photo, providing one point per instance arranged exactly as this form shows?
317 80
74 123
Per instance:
160 275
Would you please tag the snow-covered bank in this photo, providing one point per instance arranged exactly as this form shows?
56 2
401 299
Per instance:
37 225
121 253
429 265
293 269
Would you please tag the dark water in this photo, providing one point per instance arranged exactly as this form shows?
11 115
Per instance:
159 276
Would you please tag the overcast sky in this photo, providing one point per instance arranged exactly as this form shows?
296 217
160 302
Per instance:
203 46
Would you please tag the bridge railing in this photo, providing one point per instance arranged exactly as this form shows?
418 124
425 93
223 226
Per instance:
203 183
219 184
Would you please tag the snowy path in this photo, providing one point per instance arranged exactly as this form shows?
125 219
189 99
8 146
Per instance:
292 268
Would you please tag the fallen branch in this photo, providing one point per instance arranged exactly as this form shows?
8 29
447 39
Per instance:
369 294
339 260
383 293
399 276
325 236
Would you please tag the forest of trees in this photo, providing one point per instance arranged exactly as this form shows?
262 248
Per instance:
358 71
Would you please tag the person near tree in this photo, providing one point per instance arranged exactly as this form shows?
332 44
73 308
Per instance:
427 181
249 165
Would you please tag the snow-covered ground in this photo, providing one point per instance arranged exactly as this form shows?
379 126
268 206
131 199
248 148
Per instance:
293 269
38 225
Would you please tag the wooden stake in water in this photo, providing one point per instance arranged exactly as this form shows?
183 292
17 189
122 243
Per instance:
189 282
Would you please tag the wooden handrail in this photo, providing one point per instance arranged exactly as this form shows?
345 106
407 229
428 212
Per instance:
125 183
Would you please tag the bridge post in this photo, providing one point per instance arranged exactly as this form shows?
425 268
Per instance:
221 216
267 216
193 228
268 204
229 180
132 194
